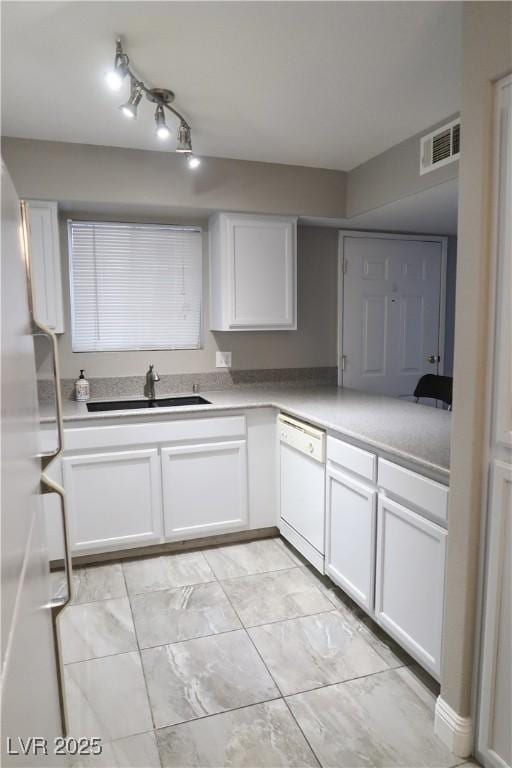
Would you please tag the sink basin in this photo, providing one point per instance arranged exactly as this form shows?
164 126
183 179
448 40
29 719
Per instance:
164 402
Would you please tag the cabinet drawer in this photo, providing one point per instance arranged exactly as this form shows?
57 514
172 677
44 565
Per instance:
181 430
419 492
354 459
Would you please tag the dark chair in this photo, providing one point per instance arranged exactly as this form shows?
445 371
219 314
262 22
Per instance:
436 387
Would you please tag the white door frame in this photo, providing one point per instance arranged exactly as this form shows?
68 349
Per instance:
345 233
495 457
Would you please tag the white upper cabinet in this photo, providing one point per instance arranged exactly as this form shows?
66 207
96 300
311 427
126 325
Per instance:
46 265
253 272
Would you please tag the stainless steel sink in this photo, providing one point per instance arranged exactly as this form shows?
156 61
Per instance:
164 402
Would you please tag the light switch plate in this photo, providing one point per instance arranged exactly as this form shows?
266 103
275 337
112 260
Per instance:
223 359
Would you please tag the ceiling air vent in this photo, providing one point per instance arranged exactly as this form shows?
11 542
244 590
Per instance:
440 147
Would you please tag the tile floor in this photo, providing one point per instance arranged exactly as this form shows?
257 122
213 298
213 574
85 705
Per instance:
238 656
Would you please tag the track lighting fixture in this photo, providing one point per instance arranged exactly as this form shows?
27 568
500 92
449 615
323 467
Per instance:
162 97
114 77
130 108
184 142
162 130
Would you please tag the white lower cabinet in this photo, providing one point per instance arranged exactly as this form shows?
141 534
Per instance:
350 539
122 495
204 488
114 499
409 589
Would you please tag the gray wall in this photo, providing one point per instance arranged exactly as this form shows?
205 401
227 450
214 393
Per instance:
82 173
312 344
393 175
487 55
158 186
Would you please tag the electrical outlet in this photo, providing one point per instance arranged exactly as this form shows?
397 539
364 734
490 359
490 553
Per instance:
223 359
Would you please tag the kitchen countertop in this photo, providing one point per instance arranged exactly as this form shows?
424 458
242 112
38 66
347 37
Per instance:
415 435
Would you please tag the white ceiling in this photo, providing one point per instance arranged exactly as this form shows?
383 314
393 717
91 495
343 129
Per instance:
326 84
429 212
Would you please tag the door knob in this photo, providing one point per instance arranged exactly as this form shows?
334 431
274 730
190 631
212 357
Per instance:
434 359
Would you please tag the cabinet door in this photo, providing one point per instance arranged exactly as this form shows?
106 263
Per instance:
114 499
46 266
350 541
204 489
409 591
262 267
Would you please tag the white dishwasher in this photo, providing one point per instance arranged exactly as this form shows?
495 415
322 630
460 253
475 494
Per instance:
302 458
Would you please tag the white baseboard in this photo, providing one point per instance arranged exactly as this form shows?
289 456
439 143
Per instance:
455 731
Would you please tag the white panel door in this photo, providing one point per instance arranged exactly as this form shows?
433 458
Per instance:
350 536
204 489
262 265
390 325
409 588
114 499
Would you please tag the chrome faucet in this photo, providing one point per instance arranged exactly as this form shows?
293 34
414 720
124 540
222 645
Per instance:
149 388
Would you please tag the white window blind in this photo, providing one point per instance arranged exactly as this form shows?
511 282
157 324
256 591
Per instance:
134 286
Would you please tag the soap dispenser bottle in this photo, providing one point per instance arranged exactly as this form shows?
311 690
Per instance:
82 388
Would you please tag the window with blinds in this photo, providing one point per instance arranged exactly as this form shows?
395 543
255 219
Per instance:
134 286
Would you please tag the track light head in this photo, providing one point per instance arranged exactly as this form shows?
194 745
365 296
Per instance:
193 161
162 130
114 77
184 139
114 80
130 108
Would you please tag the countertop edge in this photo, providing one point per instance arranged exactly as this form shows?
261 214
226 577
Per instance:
435 471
